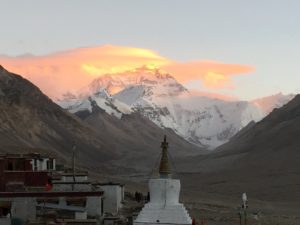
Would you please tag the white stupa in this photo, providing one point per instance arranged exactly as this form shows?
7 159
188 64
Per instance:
164 206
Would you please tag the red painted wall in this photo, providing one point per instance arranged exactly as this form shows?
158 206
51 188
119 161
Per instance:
20 170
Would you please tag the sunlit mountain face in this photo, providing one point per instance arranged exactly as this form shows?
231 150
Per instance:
73 69
204 120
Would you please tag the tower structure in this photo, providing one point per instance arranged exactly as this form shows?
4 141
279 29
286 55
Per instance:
164 206
164 167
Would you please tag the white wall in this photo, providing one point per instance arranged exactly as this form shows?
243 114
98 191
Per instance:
23 208
80 215
93 206
5 221
77 178
164 191
113 197
42 164
68 187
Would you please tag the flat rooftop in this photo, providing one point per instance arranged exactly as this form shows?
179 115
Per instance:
50 194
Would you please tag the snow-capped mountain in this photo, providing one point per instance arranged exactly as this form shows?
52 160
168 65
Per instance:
101 99
201 120
267 104
204 121
159 83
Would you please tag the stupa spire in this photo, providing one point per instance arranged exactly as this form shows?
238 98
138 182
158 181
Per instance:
164 168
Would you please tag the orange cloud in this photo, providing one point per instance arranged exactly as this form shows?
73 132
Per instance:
70 70
212 74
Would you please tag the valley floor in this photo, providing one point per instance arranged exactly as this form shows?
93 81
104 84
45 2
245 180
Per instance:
221 209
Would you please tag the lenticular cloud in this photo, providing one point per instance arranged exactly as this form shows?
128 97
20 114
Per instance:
70 70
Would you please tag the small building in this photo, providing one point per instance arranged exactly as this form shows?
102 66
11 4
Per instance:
33 191
164 206
27 162
113 197
24 172
76 176
41 163
51 206
71 181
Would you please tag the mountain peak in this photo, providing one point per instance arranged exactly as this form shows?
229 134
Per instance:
268 103
117 82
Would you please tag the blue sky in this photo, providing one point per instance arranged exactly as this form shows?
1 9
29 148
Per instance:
264 34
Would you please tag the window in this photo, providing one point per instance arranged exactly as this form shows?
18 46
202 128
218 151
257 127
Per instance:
35 167
50 164
10 166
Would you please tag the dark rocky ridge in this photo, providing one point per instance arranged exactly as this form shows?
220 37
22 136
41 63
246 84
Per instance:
29 119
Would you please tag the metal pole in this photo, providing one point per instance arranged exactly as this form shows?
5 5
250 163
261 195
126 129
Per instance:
73 163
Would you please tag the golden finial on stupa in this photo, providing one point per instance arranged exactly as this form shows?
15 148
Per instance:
164 168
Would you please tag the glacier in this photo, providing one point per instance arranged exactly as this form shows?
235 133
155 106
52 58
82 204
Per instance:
204 121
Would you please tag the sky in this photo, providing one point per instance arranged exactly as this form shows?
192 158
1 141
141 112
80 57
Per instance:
247 49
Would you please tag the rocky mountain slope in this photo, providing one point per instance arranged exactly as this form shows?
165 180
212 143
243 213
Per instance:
275 133
262 159
204 121
30 121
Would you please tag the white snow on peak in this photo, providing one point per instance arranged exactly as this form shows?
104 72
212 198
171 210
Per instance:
203 120
101 99
115 83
